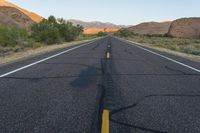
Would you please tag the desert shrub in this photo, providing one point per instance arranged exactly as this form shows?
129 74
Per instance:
68 31
45 32
37 45
154 35
11 36
86 36
124 33
54 30
184 45
190 49
100 34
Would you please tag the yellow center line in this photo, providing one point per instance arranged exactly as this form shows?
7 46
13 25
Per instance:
105 122
108 55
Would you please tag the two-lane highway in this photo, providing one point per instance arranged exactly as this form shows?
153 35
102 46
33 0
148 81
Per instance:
138 89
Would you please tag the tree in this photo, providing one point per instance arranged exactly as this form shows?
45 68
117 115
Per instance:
61 21
52 20
55 30
124 33
101 33
10 36
46 31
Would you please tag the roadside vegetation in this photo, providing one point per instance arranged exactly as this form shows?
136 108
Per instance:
14 39
188 46
101 33
48 32
90 36
54 30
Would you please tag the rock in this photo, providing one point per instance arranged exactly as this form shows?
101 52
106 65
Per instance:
151 28
185 28
12 16
35 17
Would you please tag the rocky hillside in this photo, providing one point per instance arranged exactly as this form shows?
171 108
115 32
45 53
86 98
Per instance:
95 24
33 16
151 28
13 16
185 28
96 30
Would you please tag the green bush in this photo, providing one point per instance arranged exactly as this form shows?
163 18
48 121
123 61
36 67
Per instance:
101 33
86 36
124 33
45 32
11 36
155 35
69 32
54 30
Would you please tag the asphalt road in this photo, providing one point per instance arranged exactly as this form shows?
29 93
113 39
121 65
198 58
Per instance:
64 92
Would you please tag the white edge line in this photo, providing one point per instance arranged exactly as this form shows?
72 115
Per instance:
165 57
37 62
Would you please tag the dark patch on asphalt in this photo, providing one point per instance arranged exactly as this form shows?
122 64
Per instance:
84 78
175 70
96 46
126 51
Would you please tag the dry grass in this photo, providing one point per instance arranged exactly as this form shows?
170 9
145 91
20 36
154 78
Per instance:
187 48
39 49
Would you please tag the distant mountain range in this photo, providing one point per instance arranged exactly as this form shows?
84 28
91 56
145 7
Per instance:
97 30
96 24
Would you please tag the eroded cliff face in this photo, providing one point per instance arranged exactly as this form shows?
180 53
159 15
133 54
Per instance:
185 28
35 17
151 28
12 16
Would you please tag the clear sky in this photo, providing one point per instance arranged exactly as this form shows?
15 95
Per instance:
126 12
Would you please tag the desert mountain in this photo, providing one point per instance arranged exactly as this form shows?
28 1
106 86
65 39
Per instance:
95 24
33 16
97 30
185 28
151 28
13 16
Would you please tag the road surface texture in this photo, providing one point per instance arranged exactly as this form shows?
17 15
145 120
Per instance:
145 91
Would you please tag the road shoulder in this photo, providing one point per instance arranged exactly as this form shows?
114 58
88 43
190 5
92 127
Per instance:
175 53
24 55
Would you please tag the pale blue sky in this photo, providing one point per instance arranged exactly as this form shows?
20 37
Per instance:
127 12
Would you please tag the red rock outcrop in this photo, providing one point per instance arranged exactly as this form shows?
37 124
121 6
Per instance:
185 28
151 28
